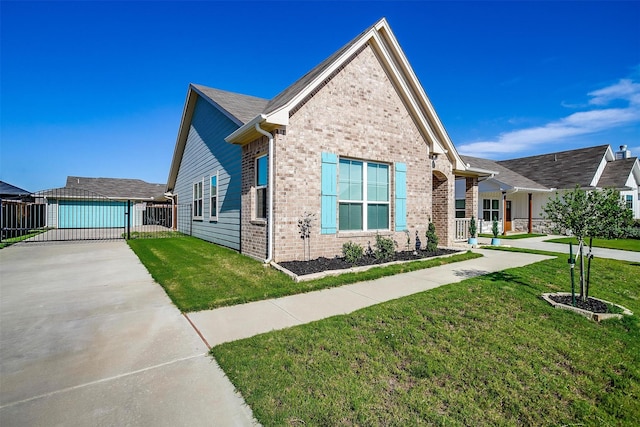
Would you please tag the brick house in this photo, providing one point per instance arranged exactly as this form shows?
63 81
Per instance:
355 143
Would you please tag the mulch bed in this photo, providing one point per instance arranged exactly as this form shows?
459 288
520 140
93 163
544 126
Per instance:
318 265
591 304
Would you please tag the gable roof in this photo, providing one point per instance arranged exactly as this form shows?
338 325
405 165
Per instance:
8 190
118 188
239 108
616 173
563 169
380 38
506 178
247 111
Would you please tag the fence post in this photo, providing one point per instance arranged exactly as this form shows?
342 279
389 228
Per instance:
128 219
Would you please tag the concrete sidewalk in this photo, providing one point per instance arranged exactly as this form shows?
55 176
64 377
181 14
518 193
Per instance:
538 243
243 321
88 338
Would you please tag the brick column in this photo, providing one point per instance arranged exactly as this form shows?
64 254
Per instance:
471 198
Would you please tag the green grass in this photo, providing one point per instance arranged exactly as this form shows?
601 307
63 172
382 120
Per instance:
198 275
622 244
10 241
486 351
512 236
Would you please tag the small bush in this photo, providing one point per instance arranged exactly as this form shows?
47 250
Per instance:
632 233
473 229
385 247
352 252
432 238
494 228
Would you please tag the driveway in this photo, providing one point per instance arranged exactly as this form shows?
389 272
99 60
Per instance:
88 338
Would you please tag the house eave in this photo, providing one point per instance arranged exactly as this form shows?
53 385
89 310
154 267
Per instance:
247 133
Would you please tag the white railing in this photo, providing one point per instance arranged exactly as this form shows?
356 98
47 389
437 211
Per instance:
462 229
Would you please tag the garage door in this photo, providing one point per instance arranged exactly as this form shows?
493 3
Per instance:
91 214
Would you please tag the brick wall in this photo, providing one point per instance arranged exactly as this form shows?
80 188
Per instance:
253 232
471 197
358 114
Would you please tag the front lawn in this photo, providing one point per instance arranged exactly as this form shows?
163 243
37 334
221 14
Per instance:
199 275
485 351
622 244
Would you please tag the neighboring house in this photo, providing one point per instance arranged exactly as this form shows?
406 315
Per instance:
519 188
11 192
18 213
101 202
355 142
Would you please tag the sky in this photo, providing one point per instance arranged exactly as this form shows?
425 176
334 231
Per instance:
97 89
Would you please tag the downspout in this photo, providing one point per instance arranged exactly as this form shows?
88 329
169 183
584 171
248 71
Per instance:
270 203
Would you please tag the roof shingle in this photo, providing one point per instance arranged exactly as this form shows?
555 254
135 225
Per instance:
564 169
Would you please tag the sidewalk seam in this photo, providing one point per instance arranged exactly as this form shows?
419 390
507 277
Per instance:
102 380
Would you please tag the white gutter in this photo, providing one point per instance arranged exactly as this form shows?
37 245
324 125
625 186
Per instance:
270 185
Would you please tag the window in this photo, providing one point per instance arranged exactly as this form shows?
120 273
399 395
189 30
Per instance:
363 195
197 200
213 194
460 208
629 201
262 164
490 209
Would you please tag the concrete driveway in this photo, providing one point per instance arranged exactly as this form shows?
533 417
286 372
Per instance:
88 338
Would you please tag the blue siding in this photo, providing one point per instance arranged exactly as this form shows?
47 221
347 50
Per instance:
91 214
401 196
329 197
206 152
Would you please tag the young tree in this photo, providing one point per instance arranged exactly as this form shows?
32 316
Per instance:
598 213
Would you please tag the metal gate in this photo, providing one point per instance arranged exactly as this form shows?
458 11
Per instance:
65 214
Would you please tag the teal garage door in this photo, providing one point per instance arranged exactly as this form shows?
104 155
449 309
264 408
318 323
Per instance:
91 214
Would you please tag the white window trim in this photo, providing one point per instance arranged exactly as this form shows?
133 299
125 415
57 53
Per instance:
260 187
213 217
194 200
496 211
365 197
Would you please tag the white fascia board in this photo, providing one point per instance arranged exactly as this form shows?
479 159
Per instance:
432 119
635 171
531 190
281 115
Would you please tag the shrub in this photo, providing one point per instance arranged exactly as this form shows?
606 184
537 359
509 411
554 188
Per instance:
472 227
385 247
352 252
632 233
494 228
432 238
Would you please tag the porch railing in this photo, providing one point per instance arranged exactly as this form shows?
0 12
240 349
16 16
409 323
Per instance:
462 229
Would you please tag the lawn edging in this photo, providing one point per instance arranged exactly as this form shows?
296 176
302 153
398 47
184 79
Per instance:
586 313
323 274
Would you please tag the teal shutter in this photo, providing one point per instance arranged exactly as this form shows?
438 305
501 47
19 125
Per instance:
329 193
401 196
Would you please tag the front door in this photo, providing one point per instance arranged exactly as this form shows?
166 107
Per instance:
507 216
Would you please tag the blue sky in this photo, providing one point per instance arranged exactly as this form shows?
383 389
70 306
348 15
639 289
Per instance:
97 88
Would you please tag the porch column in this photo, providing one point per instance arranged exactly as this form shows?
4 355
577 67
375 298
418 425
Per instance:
530 214
471 197
504 213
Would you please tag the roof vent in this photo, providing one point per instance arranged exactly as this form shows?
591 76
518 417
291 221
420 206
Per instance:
623 153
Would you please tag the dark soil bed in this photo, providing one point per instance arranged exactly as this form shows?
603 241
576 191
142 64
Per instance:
591 304
318 265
